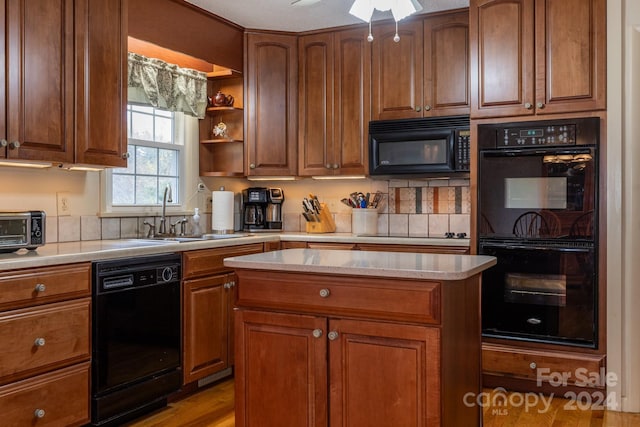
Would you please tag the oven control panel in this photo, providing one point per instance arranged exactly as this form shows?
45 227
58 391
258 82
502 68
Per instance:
537 136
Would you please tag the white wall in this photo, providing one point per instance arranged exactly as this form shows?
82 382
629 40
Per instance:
35 189
623 201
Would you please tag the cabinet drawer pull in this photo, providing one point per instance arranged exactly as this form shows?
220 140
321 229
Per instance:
333 335
39 342
528 105
252 166
15 144
427 108
3 142
533 365
324 293
328 165
39 413
317 333
227 285
418 109
40 287
336 166
126 155
540 105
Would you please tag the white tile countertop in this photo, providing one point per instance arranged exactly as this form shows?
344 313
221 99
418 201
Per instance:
92 250
365 263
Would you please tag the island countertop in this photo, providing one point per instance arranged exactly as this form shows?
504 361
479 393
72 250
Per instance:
366 263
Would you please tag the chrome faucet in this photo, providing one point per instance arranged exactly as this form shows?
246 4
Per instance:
165 198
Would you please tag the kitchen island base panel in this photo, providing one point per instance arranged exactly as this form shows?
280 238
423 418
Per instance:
320 361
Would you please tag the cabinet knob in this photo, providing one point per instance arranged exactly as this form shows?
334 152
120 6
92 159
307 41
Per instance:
40 287
336 166
14 144
418 109
3 142
317 333
324 293
328 165
533 365
227 285
39 413
333 335
528 105
39 342
252 166
540 105
427 108
126 155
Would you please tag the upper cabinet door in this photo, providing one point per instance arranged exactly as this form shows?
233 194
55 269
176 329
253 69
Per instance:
397 71
3 82
271 109
568 73
446 65
352 102
39 79
502 78
315 107
101 68
570 55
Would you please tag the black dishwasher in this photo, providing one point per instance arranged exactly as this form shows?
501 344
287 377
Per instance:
136 329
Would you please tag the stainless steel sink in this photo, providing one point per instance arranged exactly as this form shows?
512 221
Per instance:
186 239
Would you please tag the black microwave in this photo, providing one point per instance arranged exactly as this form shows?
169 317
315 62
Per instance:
426 147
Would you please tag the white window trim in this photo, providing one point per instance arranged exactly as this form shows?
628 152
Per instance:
189 169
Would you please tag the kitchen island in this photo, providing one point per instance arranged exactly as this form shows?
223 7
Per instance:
332 337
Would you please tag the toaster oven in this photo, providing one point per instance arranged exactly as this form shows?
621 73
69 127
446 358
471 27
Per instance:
20 230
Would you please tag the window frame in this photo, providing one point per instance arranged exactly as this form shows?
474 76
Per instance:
185 128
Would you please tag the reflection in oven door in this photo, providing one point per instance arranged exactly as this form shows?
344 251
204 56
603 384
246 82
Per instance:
543 289
544 294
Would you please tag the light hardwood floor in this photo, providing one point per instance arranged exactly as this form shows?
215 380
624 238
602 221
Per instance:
213 407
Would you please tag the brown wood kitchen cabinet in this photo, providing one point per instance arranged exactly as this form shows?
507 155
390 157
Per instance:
208 288
64 91
426 73
537 56
271 84
317 350
334 103
45 343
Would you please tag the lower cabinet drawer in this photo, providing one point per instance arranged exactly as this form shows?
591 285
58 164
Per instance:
395 299
43 338
544 366
59 398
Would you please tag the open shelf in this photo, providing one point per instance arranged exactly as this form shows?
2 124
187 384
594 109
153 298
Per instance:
220 141
223 156
221 109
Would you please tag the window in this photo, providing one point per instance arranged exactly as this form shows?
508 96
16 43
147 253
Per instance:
154 162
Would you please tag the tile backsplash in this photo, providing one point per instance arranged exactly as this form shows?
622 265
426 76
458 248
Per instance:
410 208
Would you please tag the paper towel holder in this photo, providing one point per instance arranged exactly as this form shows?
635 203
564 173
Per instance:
222 211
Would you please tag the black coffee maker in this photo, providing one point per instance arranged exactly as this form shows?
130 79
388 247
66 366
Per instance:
262 209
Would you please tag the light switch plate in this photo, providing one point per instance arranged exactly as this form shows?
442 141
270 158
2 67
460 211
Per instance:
64 205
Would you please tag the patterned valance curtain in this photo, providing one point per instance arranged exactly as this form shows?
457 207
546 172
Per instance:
167 86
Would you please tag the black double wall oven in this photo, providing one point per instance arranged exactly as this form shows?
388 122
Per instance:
538 214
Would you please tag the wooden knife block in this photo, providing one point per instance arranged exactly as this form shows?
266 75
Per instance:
326 224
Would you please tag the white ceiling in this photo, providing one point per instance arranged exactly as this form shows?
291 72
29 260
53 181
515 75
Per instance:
304 16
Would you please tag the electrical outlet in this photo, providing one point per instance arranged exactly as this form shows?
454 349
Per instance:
64 206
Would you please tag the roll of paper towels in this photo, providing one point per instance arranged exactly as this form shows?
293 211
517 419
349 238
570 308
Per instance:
222 212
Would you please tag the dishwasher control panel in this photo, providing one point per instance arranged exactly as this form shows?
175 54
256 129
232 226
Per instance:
135 272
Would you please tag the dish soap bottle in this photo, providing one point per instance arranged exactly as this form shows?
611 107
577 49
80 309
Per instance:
195 223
